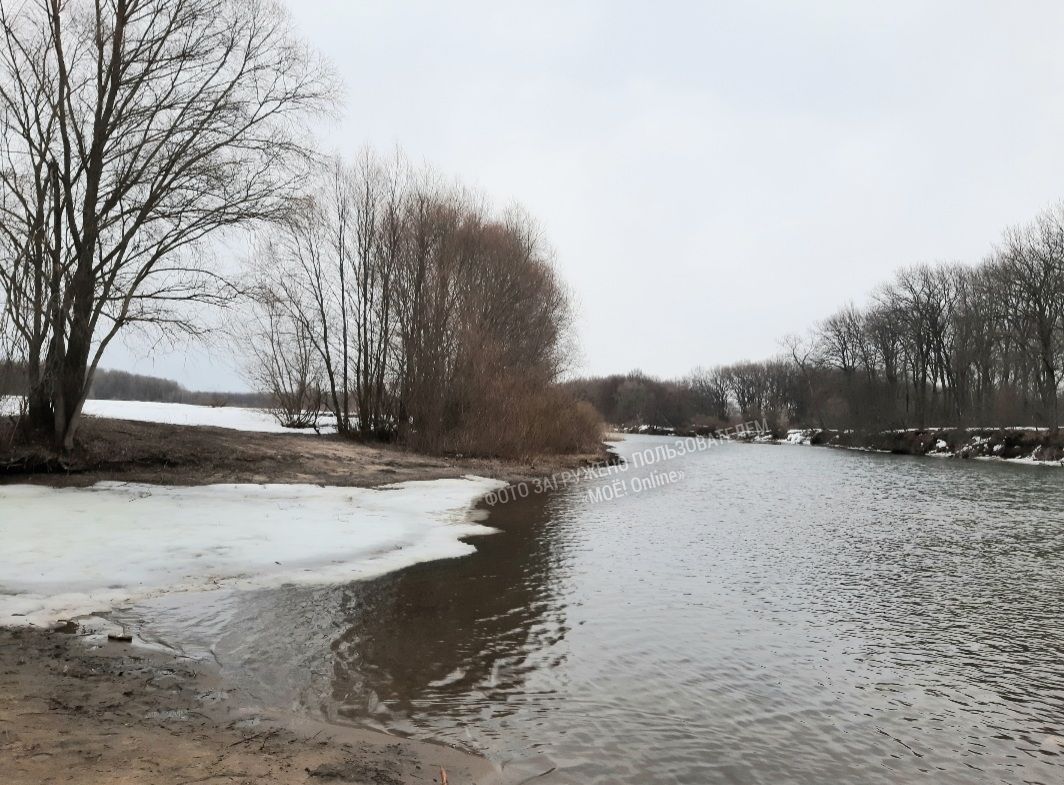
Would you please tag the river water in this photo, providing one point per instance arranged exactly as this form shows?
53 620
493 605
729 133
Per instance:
777 614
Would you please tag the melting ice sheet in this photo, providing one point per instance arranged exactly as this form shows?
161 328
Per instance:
72 551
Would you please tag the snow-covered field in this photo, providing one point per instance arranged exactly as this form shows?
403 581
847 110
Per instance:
74 551
236 417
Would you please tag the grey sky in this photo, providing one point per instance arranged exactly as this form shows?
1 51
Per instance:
711 175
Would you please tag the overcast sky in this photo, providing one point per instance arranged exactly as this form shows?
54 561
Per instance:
712 175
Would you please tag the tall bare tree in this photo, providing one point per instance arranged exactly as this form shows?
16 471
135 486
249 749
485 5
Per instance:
134 131
1031 265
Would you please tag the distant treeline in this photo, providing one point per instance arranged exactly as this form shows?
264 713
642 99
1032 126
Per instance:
111 385
938 345
122 386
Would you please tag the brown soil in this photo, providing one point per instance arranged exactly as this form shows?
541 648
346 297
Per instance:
119 715
186 455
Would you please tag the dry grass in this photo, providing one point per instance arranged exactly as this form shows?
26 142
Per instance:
187 455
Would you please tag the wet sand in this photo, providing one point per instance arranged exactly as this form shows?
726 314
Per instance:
118 714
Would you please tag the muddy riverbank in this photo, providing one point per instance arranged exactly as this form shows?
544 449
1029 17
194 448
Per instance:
168 454
79 708
72 710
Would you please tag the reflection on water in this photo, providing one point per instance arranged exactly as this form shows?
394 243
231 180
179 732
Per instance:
421 640
781 615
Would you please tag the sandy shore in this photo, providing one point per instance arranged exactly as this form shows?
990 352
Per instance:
117 714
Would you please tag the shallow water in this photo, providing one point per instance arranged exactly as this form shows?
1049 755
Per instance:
779 615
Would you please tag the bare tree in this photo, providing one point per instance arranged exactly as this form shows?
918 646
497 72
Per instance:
280 358
804 354
134 130
1032 266
710 389
376 191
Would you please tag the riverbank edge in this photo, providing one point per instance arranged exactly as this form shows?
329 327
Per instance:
1028 446
1018 446
187 455
73 705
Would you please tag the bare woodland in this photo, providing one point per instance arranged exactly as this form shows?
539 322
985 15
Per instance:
137 134
381 297
402 307
944 345
133 131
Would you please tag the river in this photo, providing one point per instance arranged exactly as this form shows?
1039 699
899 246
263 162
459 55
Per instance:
777 614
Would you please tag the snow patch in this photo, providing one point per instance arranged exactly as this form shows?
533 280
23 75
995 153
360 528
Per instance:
234 417
237 418
74 551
